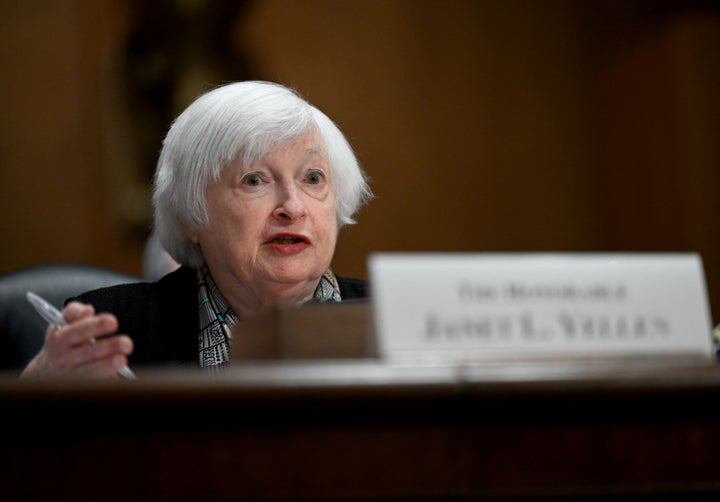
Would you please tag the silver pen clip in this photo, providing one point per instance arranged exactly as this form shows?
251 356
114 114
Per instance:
46 310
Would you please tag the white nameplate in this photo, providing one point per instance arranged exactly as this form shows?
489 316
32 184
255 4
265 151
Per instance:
471 305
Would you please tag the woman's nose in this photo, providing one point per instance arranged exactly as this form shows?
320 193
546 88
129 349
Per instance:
290 205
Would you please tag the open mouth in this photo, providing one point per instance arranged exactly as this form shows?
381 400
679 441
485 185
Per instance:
287 239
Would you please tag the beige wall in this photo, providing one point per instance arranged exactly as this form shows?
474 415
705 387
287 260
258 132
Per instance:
485 125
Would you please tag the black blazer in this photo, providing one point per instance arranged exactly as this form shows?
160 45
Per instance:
162 317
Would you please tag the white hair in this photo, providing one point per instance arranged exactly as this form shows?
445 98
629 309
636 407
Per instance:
244 120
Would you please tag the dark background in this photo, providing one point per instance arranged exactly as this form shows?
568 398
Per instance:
514 125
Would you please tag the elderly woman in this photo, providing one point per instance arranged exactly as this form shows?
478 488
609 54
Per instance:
252 186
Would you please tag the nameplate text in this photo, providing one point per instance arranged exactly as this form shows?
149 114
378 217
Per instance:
543 304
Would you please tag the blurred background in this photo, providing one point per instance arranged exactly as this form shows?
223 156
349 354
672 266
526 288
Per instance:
513 125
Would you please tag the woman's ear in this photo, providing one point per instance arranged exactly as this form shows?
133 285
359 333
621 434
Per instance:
190 234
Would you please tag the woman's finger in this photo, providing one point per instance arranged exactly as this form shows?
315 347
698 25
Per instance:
74 311
83 331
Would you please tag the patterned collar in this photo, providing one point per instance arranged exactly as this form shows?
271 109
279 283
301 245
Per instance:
217 318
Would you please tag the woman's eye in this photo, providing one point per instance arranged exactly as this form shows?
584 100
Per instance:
315 177
252 179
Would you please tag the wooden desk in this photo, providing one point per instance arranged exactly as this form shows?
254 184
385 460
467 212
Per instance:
366 430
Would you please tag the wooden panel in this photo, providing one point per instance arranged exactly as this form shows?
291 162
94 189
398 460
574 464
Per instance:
368 430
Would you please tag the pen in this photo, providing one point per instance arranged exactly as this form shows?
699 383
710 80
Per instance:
54 316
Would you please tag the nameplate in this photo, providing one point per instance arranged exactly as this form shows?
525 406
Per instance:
466 305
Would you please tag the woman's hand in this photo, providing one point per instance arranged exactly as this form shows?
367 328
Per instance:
75 349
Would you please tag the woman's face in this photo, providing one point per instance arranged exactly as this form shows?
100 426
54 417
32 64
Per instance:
273 224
